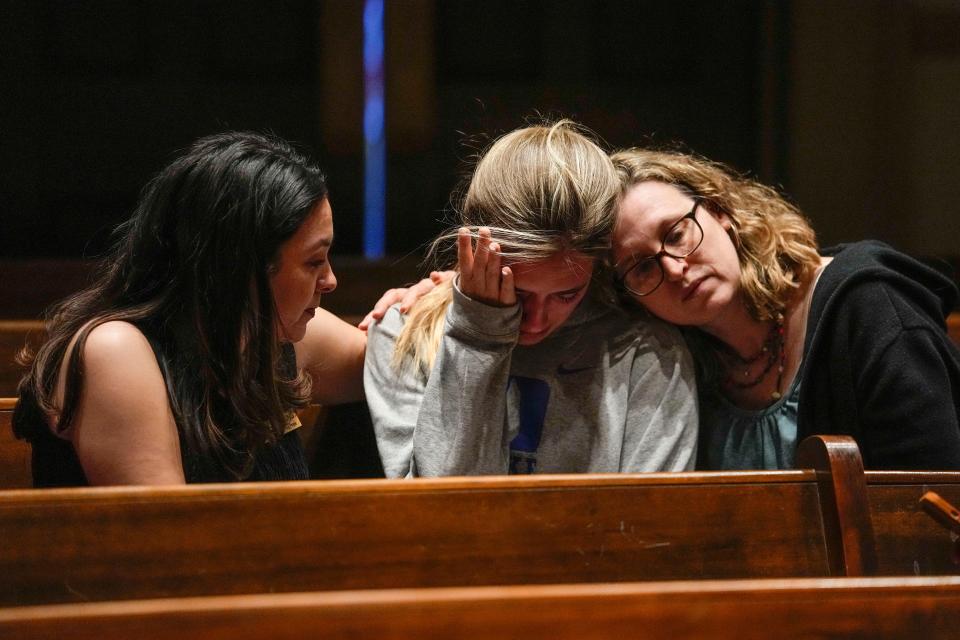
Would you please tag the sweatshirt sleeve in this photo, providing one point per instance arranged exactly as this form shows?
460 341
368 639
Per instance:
662 417
461 428
393 397
452 423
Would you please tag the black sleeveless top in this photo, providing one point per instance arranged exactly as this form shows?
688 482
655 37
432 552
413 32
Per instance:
55 463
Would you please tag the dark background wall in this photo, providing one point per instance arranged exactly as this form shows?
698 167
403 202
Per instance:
850 106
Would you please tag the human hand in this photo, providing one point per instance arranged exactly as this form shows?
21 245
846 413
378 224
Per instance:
406 296
482 277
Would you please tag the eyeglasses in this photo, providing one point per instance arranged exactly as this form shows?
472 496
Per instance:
682 238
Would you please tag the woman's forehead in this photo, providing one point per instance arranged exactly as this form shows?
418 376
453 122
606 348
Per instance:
561 271
649 208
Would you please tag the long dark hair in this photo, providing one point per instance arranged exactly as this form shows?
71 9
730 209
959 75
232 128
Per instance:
191 269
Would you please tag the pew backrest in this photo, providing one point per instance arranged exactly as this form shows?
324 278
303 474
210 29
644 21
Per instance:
804 608
14 454
909 541
14 334
66 545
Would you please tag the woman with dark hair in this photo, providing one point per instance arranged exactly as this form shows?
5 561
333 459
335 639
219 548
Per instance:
200 336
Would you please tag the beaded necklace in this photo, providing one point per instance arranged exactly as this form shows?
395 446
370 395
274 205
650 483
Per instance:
774 349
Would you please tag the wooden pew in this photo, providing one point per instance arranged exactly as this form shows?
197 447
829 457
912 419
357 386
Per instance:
14 334
801 608
908 541
14 454
126 543
953 327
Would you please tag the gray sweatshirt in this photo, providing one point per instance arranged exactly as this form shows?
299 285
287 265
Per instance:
606 392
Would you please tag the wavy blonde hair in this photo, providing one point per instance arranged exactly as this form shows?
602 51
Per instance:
541 190
776 245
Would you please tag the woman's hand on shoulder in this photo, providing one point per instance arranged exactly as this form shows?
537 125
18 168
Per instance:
406 296
482 276
124 431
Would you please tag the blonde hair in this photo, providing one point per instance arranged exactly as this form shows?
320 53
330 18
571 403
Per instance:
541 190
776 245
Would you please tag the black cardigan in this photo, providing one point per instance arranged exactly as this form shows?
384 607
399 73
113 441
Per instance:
878 364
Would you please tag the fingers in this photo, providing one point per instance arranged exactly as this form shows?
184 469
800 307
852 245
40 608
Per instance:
473 265
492 271
367 322
508 295
440 277
416 292
481 272
465 253
389 298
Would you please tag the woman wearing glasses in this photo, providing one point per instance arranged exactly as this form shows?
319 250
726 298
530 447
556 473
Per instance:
789 341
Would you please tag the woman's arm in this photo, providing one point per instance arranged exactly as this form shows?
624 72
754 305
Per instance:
461 424
393 396
662 417
907 403
332 351
453 422
884 372
123 430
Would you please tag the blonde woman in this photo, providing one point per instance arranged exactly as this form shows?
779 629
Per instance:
518 365
790 341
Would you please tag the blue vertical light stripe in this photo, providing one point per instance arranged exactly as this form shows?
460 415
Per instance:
375 144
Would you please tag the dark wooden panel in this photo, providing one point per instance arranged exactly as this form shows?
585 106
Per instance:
14 454
14 335
123 543
908 541
811 608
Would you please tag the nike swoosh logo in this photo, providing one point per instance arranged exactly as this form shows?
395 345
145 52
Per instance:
563 371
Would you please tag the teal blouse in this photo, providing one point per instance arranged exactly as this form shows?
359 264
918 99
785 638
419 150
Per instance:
734 439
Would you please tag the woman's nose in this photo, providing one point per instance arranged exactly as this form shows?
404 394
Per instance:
673 268
534 315
327 282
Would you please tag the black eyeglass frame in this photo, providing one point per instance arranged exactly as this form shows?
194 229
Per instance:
692 214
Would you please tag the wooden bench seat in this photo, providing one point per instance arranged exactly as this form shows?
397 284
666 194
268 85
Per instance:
803 608
124 543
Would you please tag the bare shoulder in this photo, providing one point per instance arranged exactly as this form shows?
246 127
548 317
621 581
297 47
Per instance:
124 431
116 340
119 362
111 346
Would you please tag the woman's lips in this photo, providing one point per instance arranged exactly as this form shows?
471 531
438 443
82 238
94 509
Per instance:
691 290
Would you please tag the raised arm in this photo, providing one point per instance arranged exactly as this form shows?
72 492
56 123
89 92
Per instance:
452 423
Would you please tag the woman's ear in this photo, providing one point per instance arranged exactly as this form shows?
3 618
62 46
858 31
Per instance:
726 223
